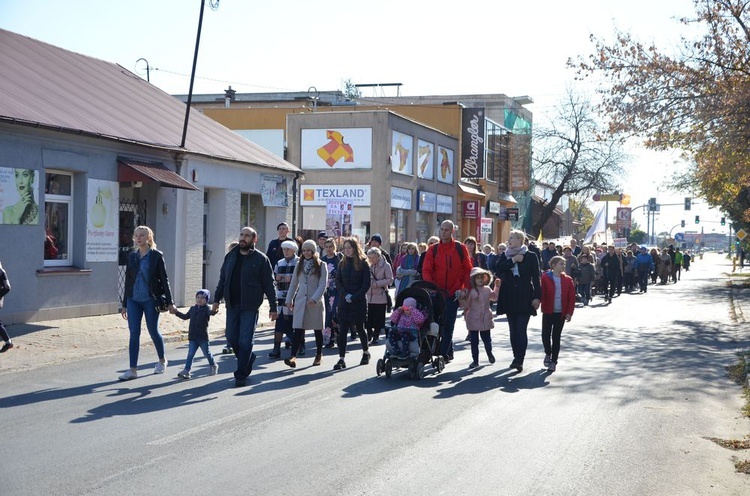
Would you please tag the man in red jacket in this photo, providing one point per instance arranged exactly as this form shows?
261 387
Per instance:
447 265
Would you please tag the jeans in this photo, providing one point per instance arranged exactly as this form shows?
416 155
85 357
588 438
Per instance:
240 333
136 311
193 346
518 323
474 340
449 323
552 326
585 291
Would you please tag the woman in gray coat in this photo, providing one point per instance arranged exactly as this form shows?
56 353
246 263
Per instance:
305 300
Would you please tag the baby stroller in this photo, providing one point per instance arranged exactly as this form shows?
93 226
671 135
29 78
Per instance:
426 349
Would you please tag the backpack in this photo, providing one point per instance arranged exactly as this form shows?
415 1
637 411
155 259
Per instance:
458 249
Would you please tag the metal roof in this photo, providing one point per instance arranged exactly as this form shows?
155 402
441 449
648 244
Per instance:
138 170
42 85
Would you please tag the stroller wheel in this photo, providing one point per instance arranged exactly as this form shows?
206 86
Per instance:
439 364
388 368
379 367
419 372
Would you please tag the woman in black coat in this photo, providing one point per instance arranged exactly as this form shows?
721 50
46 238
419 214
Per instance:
520 292
352 283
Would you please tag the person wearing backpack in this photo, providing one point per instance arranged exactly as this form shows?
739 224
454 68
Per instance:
447 265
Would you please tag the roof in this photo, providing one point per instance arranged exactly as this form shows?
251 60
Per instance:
42 85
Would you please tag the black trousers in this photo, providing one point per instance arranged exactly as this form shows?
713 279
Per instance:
345 326
552 326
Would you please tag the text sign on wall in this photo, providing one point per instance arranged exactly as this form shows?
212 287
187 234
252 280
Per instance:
319 194
472 143
470 209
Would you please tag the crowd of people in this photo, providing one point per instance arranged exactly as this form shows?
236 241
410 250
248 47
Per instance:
340 289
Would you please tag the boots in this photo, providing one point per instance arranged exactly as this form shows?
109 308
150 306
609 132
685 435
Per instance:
292 362
318 359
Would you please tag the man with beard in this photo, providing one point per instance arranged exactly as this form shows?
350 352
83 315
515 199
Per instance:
246 275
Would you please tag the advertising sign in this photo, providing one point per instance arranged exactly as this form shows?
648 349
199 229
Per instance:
273 190
339 216
486 225
472 143
102 221
445 166
402 153
425 159
512 214
319 194
340 148
19 196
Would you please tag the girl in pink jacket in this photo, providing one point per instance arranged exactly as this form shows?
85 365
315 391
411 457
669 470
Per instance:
478 312
407 319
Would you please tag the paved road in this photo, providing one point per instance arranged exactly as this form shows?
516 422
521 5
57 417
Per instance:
640 384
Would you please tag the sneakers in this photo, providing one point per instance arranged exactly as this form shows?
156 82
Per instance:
6 347
490 357
552 367
160 367
365 358
474 364
341 364
547 360
184 374
129 375
213 369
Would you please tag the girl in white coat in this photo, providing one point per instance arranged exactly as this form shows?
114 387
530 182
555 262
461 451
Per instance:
305 300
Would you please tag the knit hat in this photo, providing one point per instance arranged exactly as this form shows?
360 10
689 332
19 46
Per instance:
376 237
206 293
410 302
310 245
290 245
480 271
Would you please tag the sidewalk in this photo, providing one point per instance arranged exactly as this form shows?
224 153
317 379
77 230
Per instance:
67 340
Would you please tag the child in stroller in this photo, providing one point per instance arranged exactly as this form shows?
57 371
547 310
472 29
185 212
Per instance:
407 320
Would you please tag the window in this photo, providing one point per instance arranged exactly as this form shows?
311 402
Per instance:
58 218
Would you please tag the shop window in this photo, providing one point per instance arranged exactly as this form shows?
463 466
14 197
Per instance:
58 218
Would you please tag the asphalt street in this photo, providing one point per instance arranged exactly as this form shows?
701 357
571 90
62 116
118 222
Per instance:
640 385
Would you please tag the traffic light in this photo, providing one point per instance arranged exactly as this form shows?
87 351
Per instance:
682 223
688 204
697 219
723 221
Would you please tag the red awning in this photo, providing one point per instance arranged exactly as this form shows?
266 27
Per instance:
134 170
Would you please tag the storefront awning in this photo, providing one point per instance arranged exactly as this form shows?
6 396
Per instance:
471 189
134 170
507 199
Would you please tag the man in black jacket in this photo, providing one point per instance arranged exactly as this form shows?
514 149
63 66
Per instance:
246 275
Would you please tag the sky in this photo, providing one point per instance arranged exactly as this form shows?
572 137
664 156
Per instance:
431 47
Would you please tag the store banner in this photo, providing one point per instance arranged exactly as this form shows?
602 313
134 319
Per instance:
320 194
427 202
339 217
400 198
445 169
470 209
493 207
512 214
402 153
444 204
273 190
102 220
339 148
472 143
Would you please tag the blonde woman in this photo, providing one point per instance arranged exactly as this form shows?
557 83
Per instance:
145 277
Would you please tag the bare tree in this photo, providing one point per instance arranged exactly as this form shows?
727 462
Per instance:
574 156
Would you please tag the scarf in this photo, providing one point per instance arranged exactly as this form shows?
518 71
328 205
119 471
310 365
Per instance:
512 252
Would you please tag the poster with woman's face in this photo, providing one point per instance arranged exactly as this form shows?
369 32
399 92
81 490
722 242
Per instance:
19 196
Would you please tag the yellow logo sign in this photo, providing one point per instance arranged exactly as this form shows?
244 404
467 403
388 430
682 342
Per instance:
308 194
